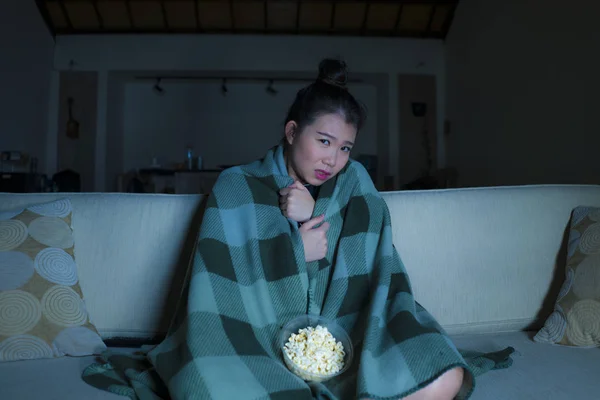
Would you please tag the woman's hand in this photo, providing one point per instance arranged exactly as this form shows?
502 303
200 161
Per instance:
314 239
296 202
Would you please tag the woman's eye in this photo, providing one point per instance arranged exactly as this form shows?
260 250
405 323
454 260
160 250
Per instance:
325 142
346 149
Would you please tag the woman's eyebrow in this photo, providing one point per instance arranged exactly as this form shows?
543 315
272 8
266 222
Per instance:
330 136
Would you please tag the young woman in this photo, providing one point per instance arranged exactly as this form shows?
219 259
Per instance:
303 231
320 131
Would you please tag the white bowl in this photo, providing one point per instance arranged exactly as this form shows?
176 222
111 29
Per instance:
305 321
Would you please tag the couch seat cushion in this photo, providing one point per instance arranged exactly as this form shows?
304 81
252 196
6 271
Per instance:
539 371
50 379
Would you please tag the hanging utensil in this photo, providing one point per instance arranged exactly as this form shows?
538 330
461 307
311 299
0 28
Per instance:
72 124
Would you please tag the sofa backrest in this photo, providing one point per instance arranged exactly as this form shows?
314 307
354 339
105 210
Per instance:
487 259
132 251
480 260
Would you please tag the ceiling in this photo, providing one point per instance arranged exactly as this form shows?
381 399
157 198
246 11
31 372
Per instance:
409 18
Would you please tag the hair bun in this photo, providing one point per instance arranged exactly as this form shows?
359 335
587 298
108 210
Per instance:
333 72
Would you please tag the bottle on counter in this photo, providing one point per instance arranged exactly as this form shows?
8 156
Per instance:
190 158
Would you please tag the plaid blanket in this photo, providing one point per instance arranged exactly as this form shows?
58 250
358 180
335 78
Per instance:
248 277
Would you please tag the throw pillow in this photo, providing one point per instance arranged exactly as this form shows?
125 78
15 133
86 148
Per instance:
576 317
42 311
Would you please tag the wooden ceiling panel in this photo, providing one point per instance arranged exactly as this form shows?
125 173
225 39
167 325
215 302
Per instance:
315 16
249 15
215 15
415 17
282 15
57 17
147 15
114 15
181 14
349 16
440 16
382 17
82 15
403 18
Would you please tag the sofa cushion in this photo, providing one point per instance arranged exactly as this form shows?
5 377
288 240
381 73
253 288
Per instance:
471 238
42 311
576 317
539 372
58 378
123 238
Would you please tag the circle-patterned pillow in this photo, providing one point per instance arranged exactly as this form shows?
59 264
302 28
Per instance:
576 318
42 311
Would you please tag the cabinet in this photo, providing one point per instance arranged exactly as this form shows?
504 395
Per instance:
172 181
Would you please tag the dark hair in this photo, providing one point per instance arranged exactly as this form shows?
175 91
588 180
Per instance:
327 95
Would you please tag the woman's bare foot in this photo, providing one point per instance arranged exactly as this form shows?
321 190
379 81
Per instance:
446 387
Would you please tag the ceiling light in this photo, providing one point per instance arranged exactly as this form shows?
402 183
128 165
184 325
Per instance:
270 89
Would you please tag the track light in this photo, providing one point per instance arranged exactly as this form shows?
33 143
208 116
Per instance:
270 89
224 87
157 88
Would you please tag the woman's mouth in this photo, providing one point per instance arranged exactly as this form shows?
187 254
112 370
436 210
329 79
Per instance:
322 175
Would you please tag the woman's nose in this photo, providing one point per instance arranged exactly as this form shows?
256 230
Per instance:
330 160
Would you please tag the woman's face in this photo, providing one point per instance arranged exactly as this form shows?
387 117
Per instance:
321 150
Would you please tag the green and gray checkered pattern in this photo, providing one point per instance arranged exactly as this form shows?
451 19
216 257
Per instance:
249 277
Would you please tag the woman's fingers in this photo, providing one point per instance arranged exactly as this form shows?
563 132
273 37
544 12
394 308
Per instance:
286 191
324 227
297 185
311 223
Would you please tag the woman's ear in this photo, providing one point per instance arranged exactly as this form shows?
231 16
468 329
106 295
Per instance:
290 131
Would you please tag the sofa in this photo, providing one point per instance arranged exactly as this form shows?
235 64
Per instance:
488 263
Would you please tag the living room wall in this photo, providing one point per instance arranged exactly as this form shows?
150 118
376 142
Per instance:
522 95
25 69
78 154
225 129
384 58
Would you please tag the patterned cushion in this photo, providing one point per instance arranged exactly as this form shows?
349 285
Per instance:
42 311
576 317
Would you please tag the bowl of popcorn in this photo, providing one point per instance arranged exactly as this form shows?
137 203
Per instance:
315 348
